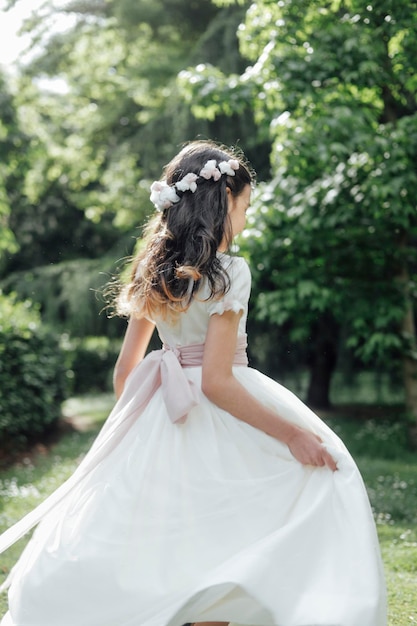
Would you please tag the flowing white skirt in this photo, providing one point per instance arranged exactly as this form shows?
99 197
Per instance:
210 520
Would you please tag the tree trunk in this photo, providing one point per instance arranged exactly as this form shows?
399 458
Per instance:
322 363
410 361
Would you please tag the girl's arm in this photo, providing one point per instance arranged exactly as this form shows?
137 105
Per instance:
135 343
222 388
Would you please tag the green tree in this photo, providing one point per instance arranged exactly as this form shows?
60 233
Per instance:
12 145
333 85
102 112
108 115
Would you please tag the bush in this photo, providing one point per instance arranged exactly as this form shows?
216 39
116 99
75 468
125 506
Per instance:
91 362
69 295
32 374
374 438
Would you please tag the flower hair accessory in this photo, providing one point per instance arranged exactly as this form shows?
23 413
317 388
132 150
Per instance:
164 196
229 167
187 183
210 171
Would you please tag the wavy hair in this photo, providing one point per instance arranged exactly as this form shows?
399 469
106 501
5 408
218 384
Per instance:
181 242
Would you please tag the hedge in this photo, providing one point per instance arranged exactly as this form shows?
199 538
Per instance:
33 378
69 295
90 362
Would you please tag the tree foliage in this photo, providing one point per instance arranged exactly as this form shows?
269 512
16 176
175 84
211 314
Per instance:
321 95
12 163
333 85
102 110
99 99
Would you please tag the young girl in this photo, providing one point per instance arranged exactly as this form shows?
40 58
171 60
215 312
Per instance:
212 494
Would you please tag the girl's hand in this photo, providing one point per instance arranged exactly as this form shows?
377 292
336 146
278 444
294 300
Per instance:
308 449
221 387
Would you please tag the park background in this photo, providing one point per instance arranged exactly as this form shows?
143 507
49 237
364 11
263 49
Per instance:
321 97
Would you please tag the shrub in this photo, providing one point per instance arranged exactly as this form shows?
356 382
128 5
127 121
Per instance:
374 438
32 374
91 362
69 295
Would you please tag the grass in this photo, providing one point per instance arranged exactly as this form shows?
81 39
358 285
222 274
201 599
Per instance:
389 471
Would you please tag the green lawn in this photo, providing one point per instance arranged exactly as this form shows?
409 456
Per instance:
392 486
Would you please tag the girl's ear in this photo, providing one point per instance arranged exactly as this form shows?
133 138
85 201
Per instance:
230 200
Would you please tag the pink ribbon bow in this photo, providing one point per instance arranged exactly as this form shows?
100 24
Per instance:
161 368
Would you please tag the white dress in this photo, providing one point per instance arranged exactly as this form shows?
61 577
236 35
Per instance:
205 520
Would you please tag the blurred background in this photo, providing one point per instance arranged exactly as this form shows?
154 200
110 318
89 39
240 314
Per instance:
97 95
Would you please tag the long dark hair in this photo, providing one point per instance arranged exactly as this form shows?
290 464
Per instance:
182 241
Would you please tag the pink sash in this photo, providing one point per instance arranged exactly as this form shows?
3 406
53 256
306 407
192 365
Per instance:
161 368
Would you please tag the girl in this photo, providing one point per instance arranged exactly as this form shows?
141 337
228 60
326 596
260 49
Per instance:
212 494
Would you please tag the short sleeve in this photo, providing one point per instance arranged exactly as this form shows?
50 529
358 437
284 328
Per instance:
237 297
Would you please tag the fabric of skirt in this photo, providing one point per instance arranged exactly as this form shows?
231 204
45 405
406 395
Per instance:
209 520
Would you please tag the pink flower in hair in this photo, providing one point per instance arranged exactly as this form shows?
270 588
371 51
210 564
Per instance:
187 183
229 167
210 170
162 195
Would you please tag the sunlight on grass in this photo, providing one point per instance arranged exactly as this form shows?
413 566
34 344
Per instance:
88 411
399 553
27 483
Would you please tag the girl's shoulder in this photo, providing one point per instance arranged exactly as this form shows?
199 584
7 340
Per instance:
238 293
233 262
237 269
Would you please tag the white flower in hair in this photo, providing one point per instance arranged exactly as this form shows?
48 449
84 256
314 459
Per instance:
162 195
229 167
187 183
210 170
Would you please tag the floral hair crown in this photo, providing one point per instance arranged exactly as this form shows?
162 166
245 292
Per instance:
164 196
